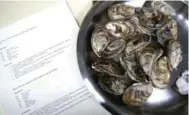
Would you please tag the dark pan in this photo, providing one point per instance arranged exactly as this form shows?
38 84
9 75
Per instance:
165 102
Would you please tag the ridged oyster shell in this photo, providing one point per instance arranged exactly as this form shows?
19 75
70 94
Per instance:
137 94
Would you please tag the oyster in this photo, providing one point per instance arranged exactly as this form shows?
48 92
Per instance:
99 41
139 28
163 7
133 69
151 19
169 31
160 73
121 29
174 54
109 67
114 49
106 46
120 11
132 29
137 43
113 85
147 57
137 94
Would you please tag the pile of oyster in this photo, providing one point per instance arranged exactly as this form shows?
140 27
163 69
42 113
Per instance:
136 50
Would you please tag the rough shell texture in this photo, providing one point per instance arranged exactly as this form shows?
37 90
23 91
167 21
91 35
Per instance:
108 67
121 29
169 31
112 85
140 29
106 46
163 7
120 11
174 54
114 49
99 41
137 94
137 43
160 73
151 19
133 69
147 57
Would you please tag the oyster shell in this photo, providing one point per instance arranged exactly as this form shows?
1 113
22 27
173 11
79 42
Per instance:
104 45
120 11
169 31
174 53
160 73
133 69
137 94
151 19
132 29
113 85
109 67
114 49
140 29
121 29
163 7
99 41
137 43
147 57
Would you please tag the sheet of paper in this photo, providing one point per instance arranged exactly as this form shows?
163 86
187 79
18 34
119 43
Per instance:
39 74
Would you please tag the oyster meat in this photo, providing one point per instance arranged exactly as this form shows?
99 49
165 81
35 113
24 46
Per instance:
120 11
137 43
137 94
163 7
160 73
108 67
121 29
169 31
113 85
174 53
147 57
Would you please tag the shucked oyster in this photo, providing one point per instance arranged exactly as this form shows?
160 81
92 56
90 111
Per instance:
113 85
121 29
169 31
133 69
137 94
163 7
120 11
160 73
104 45
137 43
174 53
147 57
109 67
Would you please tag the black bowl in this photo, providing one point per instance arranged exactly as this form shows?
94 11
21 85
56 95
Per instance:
162 102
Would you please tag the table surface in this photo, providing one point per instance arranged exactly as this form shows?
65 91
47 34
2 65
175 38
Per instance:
12 11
